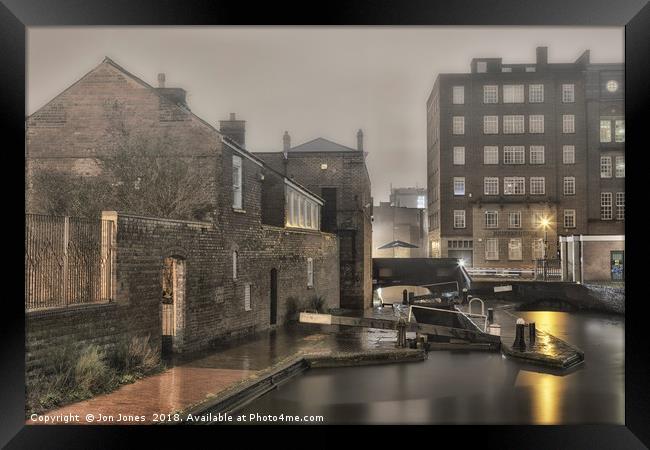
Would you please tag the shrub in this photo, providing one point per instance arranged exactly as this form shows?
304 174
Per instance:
134 356
91 374
317 303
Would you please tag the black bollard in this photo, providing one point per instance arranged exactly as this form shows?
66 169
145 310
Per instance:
405 297
464 296
532 332
411 295
519 343
490 316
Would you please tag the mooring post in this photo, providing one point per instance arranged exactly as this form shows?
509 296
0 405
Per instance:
490 315
405 297
464 296
532 332
401 333
519 343
411 295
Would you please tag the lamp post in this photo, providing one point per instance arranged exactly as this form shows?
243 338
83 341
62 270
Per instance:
545 222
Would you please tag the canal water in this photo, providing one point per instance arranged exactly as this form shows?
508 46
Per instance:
471 387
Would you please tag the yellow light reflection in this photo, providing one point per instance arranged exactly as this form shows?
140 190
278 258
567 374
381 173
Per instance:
546 396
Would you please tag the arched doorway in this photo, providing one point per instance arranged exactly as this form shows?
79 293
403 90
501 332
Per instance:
173 301
274 297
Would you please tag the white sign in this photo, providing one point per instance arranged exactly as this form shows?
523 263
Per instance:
503 288
324 319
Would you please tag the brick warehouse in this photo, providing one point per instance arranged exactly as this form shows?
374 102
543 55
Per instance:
339 173
239 265
509 145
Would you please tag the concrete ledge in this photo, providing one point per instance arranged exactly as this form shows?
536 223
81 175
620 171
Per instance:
354 359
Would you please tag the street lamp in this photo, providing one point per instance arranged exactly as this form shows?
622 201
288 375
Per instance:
545 223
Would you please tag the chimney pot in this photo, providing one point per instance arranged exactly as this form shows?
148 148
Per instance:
286 141
161 80
542 56
234 129
360 140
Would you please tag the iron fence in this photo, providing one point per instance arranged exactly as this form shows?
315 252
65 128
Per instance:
68 261
548 270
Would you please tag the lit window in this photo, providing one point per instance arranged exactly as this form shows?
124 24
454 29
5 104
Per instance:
568 93
513 124
605 130
612 86
620 206
301 212
459 156
513 93
490 124
234 265
458 96
619 130
514 185
568 123
459 185
491 219
620 167
491 185
310 272
459 218
490 94
569 218
568 154
536 154
492 249
514 154
421 202
236 182
514 249
605 167
537 186
514 219
606 206
506 69
536 93
247 297
481 66
491 154
458 125
569 185
530 69
536 124
323 166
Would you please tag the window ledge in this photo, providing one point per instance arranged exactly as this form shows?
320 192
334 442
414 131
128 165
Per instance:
238 210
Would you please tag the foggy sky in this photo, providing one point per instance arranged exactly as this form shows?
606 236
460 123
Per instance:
311 81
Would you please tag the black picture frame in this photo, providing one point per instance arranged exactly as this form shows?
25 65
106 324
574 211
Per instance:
634 15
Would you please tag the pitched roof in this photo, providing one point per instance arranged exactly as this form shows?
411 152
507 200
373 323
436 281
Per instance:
321 145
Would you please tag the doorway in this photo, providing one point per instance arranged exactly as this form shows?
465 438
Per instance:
274 297
173 299
617 265
328 219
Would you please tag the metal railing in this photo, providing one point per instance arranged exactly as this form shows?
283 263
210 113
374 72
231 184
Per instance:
548 269
68 261
467 315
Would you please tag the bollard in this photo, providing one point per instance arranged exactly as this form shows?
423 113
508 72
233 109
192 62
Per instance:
532 332
464 296
490 315
411 295
405 294
519 343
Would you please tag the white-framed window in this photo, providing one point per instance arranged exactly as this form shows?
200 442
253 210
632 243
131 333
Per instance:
301 212
459 185
491 249
514 154
491 186
620 206
236 182
513 93
506 69
536 154
459 218
490 124
568 154
536 123
459 156
569 185
537 186
605 206
491 219
490 94
490 154
458 95
605 130
619 130
620 167
514 185
481 66
605 167
536 217
536 93
310 272
513 124
612 85
569 218
247 297
235 262
514 219
514 249
568 93
531 69
458 125
421 202
538 248
568 123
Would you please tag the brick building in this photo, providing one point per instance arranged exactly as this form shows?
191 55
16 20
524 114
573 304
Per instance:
340 176
235 272
511 147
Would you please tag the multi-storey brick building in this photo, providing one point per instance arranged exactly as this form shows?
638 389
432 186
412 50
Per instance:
522 153
237 268
340 176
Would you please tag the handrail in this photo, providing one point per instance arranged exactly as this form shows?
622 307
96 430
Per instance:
467 315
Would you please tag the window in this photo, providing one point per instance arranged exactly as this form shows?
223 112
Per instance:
537 186
506 69
459 155
513 124
491 185
459 185
530 69
421 202
458 125
536 93
605 206
513 93
569 218
514 219
492 249
605 167
569 185
606 125
568 93
458 96
513 154
619 131
481 66
568 123
310 272
234 265
491 219
620 206
247 297
536 154
236 182
490 94
490 124
605 130
459 218
536 124
620 167
490 154
612 86
538 248
514 185
301 212
568 154
514 249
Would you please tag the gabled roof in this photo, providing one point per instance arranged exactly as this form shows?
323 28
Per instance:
321 145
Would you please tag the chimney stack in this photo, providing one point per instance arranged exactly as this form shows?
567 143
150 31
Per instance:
360 140
161 80
234 129
542 56
286 142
